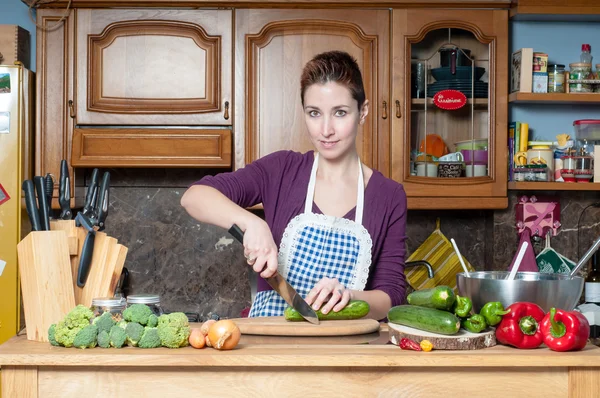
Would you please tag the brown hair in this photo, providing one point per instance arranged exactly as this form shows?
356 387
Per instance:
334 66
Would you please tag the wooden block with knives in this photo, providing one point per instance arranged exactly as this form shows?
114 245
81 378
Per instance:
68 260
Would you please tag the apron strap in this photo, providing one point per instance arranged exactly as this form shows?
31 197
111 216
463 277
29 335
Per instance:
360 197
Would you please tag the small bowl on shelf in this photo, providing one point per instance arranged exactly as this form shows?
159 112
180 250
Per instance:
477 156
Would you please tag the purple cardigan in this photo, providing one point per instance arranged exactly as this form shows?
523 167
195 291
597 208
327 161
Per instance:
280 182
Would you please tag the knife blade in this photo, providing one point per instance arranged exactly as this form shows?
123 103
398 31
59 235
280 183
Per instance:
281 286
38 181
91 195
31 205
64 192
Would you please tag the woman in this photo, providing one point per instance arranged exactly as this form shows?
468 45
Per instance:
333 227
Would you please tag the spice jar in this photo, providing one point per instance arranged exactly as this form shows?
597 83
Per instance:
556 78
580 71
151 300
114 305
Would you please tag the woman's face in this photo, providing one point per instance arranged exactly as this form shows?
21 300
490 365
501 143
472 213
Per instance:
332 118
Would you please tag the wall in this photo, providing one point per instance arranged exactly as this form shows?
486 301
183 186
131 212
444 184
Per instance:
15 12
562 42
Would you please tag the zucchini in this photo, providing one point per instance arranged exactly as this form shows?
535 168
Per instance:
355 309
423 318
439 297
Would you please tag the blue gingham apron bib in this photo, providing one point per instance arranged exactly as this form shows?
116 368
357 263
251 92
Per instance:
315 246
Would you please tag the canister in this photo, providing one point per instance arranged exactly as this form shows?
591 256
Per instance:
556 78
114 305
580 71
542 155
151 300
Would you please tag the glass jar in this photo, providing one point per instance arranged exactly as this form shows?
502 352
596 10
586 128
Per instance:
531 173
151 300
114 305
580 71
556 78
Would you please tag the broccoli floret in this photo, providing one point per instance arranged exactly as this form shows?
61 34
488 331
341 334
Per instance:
117 336
150 338
104 322
152 321
52 335
137 313
134 333
122 324
66 330
103 339
86 337
174 330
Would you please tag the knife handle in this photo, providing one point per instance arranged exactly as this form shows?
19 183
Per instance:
237 233
85 261
49 188
103 200
31 206
64 191
42 203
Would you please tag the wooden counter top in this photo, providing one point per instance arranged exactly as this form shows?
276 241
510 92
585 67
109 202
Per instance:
18 351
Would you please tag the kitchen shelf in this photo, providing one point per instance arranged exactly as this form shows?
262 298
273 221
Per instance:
553 186
479 102
563 98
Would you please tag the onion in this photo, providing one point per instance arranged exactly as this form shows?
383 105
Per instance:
224 335
197 339
206 325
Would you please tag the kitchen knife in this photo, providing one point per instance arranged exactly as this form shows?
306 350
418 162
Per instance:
92 192
103 201
42 203
281 286
64 192
31 205
87 251
49 188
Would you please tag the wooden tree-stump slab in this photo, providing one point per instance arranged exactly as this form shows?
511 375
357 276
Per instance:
463 340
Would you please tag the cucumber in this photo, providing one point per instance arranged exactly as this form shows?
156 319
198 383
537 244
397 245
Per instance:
355 309
439 297
423 318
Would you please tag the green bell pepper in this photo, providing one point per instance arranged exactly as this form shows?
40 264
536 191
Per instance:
492 312
462 306
474 324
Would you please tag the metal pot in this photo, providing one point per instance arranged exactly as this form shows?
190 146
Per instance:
453 56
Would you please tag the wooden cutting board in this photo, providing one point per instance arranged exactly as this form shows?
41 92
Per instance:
278 326
463 340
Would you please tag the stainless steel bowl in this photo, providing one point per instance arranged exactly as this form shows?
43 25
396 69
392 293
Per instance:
546 290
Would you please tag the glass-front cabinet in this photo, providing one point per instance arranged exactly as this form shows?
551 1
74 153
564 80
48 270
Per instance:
449 120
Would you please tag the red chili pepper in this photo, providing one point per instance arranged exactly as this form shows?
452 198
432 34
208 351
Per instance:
565 331
520 327
408 344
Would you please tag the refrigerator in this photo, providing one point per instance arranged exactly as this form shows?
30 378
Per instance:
16 165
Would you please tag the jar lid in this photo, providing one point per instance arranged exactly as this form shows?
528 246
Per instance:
538 167
556 66
580 65
108 302
143 299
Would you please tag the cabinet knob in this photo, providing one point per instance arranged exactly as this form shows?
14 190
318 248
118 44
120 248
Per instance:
71 109
226 113
398 112
384 112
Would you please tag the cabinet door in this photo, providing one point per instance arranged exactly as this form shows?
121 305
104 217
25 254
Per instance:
449 140
272 47
154 67
54 88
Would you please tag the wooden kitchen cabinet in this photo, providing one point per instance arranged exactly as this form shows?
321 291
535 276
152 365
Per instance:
420 41
154 67
272 47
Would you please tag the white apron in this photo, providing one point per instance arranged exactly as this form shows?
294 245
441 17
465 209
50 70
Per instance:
315 246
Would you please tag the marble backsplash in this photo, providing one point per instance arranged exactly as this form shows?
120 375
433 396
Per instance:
200 268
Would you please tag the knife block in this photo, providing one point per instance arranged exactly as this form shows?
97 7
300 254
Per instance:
46 282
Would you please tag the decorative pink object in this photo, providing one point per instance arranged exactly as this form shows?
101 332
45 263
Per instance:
538 216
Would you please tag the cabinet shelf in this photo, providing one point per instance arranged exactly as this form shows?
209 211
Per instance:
562 98
420 102
552 186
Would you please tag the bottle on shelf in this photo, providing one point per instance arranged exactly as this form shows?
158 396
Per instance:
592 282
586 54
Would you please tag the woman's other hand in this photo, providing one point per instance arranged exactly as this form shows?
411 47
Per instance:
260 249
332 293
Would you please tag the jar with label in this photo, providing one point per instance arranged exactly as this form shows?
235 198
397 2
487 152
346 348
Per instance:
556 78
114 305
580 71
151 300
531 173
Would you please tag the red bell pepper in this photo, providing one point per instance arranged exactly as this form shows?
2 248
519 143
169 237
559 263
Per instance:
565 331
520 327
